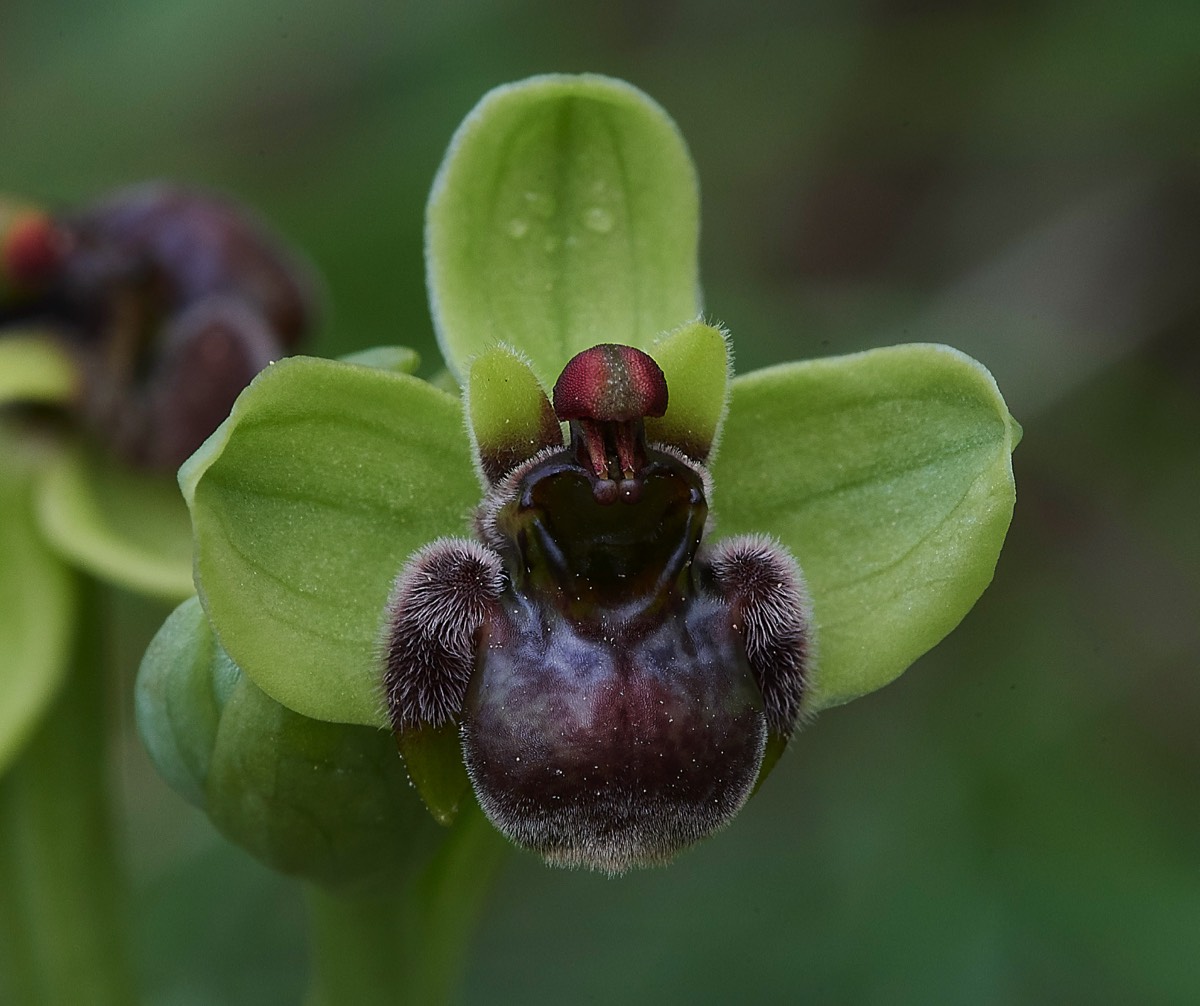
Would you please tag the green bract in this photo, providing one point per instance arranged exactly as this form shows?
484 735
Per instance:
327 802
564 216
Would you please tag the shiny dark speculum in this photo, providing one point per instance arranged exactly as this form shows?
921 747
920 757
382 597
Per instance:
591 554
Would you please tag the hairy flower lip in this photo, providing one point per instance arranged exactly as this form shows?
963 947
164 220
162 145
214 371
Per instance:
616 751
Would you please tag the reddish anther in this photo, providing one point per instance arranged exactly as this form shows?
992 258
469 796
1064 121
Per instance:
610 383
32 251
605 392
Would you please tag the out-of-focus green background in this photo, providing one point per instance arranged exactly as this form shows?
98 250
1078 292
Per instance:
1018 819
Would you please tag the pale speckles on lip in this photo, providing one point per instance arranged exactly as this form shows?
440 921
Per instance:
541 204
598 220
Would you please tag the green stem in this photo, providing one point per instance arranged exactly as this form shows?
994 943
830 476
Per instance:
62 918
405 942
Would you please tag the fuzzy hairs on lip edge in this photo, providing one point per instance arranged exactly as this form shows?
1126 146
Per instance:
639 832
437 604
764 585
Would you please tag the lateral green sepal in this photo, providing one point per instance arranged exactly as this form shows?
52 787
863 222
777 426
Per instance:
888 474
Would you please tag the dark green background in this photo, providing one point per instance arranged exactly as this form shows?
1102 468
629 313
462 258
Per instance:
1016 820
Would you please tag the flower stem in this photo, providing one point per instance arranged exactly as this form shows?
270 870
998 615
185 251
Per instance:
62 913
404 941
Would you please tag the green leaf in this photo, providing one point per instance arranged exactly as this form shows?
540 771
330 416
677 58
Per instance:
33 368
327 801
511 417
695 361
888 474
565 214
37 606
127 527
305 505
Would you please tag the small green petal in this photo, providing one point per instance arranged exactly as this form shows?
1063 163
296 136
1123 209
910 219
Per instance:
129 528
305 505
399 359
33 368
888 474
565 214
434 761
37 606
511 417
695 361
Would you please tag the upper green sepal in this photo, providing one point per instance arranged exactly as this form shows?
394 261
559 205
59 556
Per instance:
305 505
511 417
696 363
888 474
326 801
565 215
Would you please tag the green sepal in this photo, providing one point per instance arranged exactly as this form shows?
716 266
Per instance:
434 761
565 214
127 527
511 417
888 475
326 801
35 369
37 607
306 503
695 361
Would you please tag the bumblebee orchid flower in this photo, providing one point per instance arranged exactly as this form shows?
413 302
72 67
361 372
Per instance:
599 589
